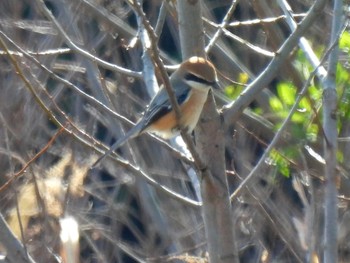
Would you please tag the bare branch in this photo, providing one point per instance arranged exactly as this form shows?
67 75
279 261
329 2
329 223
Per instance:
81 51
232 111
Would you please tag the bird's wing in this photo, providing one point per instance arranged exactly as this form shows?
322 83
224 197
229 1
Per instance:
161 105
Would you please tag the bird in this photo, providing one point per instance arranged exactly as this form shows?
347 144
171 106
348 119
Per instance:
191 83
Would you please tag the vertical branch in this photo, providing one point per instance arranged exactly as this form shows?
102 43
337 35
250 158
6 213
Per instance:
191 37
330 144
148 67
217 212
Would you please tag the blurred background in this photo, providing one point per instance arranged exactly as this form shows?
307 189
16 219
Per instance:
82 69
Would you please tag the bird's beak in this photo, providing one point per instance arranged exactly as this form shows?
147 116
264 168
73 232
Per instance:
217 86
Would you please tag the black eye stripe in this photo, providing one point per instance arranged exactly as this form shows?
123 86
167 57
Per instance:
193 77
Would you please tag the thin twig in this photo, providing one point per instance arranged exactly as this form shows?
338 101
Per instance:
222 26
277 137
137 171
58 51
240 40
232 111
28 85
161 18
24 168
303 43
81 51
15 250
259 21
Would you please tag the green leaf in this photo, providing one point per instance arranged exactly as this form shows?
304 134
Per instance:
280 162
284 170
229 91
342 74
275 104
344 41
305 105
258 111
298 117
340 157
315 93
243 78
286 92
233 91
311 132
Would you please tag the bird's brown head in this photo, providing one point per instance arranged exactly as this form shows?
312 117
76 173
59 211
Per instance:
199 70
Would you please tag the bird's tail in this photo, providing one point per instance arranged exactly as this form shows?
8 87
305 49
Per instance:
133 132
